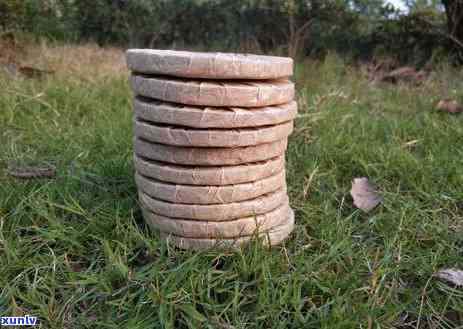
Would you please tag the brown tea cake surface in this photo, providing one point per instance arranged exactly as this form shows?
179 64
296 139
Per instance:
191 194
215 212
208 65
181 136
273 237
212 117
214 93
209 156
214 175
215 229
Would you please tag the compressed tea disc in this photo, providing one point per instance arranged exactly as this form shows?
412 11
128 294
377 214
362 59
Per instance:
218 175
210 156
181 136
191 194
208 65
215 212
215 229
214 93
212 117
273 237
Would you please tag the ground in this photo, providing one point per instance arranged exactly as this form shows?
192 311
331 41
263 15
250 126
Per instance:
75 252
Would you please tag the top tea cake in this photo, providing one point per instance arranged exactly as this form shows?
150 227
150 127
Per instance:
208 65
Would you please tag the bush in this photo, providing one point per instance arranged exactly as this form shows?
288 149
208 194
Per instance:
412 38
229 25
11 12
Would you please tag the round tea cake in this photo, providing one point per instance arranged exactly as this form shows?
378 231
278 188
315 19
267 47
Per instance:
210 156
208 65
214 93
181 136
273 237
215 175
215 229
216 212
212 117
191 194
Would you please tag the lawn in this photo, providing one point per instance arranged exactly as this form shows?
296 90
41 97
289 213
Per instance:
76 253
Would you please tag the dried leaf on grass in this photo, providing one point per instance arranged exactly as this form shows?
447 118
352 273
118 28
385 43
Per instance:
411 144
449 106
32 172
33 72
406 74
451 275
387 74
365 196
221 324
26 71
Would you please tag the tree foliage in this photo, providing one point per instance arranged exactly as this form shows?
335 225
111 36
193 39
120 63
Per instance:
11 12
359 28
454 12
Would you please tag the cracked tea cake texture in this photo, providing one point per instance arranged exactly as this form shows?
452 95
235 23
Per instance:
214 93
215 212
194 194
208 65
274 236
181 136
208 175
228 229
210 131
209 156
212 117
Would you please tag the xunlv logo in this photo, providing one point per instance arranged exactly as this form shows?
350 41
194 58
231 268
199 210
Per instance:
18 321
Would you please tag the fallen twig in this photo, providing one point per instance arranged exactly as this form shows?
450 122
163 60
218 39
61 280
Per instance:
32 172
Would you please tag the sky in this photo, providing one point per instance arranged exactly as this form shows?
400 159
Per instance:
397 3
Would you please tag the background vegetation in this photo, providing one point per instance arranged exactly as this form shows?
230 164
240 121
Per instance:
354 28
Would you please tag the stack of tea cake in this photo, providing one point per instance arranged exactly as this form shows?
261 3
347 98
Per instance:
210 138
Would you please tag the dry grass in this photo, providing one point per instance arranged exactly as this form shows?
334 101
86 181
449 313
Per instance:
87 62
74 250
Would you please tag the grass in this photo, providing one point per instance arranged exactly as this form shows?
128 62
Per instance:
75 252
